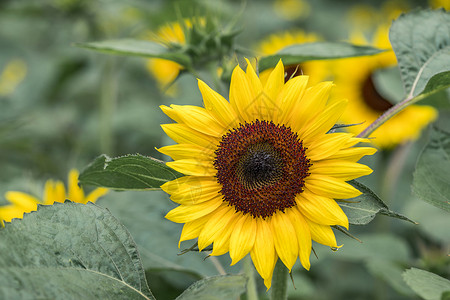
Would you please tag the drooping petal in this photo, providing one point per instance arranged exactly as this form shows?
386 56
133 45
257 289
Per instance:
218 107
322 234
191 230
285 239
303 236
218 221
321 210
242 238
263 251
330 187
189 213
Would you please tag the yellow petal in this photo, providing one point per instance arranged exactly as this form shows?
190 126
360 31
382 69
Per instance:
241 96
325 121
263 251
272 88
196 191
326 145
312 103
303 236
182 134
242 238
222 242
290 95
193 167
191 230
321 210
198 119
95 194
285 239
171 113
189 213
353 154
253 79
330 187
217 106
340 169
322 234
9 212
23 201
182 151
75 193
185 183
218 221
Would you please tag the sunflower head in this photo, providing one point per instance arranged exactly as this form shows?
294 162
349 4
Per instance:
355 78
263 172
54 191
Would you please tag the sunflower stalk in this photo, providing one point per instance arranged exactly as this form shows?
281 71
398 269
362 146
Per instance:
279 282
249 270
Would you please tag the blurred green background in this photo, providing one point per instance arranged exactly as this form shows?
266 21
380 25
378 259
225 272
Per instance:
61 106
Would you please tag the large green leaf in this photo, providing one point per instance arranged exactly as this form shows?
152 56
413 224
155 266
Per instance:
132 47
427 285
219 288
362 209
129 172
299 53
421 42
84 242
432 174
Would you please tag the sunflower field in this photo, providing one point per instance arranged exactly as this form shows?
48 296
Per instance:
194 149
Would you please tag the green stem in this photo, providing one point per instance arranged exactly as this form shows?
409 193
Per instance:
387 115
279 282
249 270
108 101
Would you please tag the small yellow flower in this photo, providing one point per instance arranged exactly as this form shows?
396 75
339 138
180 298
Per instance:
316 70
354 79
262 170
54 191
11 76
292 9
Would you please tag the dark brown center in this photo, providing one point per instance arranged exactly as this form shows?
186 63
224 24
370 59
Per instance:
372 98
261 167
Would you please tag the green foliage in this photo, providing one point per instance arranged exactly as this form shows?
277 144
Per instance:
130 47
315 51
83 244
433 167
129 172
427 285
219 287
362 209
421 41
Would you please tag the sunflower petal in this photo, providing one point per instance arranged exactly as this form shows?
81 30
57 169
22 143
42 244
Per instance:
330 187
328 144
303 236
263 250
217 106
353 154
242 238
241 95
189 213
191 230
289 96
321 210
322 234
285 239
183 151
341 169
182 134
217 223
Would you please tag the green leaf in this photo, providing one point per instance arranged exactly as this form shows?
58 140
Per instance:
431 177
427 285
83 241
129 172
299 53
362 209
57 283
218 287
132 47
421 42
390 272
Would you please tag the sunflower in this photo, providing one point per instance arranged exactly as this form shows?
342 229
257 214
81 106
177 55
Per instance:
354 78
263 170
316 70
54 191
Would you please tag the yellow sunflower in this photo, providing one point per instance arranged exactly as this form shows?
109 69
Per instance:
54 191
316 70
354 79
262 171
